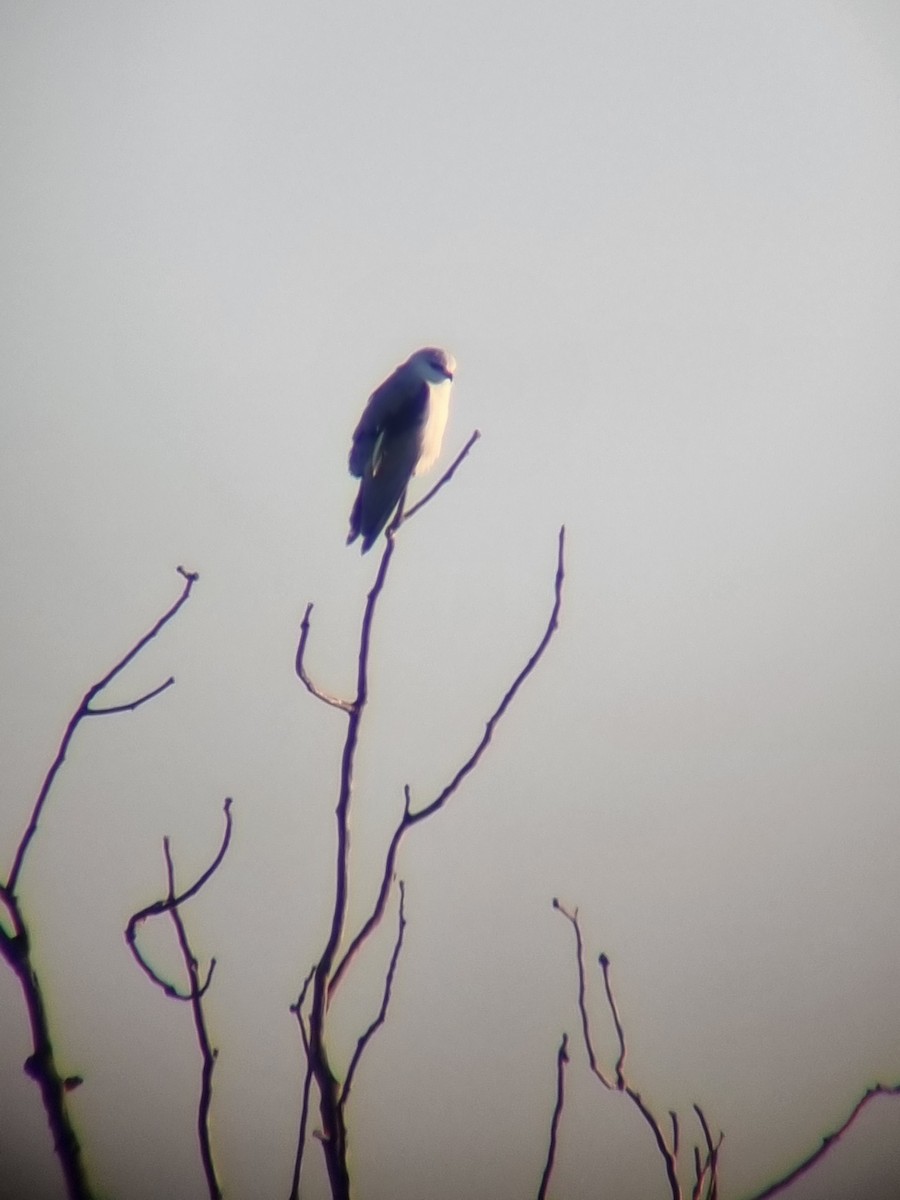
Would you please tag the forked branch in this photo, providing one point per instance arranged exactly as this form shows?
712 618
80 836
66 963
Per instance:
331 968
196 989
410 817
705 1167
87 709
15 942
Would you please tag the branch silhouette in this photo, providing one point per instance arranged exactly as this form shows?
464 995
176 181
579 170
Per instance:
562 1061
829 1141
705 1167
16 944
331 968
195 990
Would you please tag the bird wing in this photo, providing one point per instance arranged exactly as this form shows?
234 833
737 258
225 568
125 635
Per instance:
399 404
383 484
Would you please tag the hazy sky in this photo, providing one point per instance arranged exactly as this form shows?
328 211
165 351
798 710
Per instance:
662 240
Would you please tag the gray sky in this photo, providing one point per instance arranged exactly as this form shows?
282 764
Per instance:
662 241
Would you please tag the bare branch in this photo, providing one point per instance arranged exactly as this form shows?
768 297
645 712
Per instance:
41 1064
572 918
409 818
334 1132
132 704
614 1011
171 903
444 479
332 1097
325 697
667 1153
364 1040
711 1162
497 715
828 1141
83 710
207 1052
562 1058
297 1010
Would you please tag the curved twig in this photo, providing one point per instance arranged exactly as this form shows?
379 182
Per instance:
196 989
171 903
302 674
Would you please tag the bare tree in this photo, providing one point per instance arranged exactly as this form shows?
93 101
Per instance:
331 969
697 1175
16 942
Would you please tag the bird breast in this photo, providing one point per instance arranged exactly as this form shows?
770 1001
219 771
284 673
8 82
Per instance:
435 424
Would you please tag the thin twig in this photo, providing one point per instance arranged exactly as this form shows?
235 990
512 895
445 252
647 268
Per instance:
828 1141
15 945
572 918
443 481
84 710
410 818
562 1058
662 1145
207 1052
667 1153
366 1037
132 704
300 667
711 1163
170 903
614 1012
297 1010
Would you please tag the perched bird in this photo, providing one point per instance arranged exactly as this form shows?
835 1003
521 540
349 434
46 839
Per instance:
399 435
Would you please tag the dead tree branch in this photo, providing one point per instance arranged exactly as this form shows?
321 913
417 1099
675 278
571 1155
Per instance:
170 904
443 481
297 1010
410 818
562 1059
195 988
828 1141
85 709
705 1171
365 1038
330 969
15 943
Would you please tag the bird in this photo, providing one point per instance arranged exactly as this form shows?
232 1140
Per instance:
399 435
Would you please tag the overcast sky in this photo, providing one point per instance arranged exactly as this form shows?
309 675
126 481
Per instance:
662 241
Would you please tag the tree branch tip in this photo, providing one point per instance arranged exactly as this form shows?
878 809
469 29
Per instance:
603 960
190 576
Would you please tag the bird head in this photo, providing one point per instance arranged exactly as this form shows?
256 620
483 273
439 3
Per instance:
433 365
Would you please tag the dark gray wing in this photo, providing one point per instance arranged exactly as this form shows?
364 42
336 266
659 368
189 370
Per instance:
386 446
401 400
